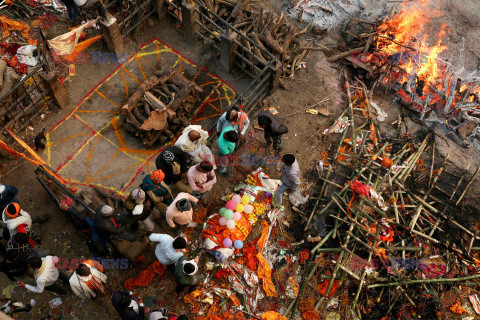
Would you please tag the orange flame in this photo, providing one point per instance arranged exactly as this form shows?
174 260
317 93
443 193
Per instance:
401 34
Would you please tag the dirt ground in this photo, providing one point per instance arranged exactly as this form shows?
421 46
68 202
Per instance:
319 84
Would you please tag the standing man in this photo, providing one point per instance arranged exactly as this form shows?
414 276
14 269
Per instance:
46 274
235 118
180 213
7 195
201 179
14 265
193 142
168 249
157 190
88 280
72 10
173 162
127 307
140 205
290 177
273 129
226 145
186 274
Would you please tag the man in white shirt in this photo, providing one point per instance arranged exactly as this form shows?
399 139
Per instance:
168 249
46 274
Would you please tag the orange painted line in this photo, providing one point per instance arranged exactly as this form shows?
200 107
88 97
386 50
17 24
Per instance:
214 115
148 63
131 75
211 105
89 158
104 166
117 173
140 67
121 141
180 65
98 111
221 98
104 97
198 73
207 83
68 138
158 51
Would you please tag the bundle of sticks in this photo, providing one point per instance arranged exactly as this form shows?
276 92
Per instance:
162 106
390 211
24 9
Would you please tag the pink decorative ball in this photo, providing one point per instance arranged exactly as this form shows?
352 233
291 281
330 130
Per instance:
237 198
231 205
248 209
231 224
237 215
222 221
227 242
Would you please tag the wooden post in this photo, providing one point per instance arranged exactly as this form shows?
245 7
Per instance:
190 17
160 8
111 33
55 89
227 51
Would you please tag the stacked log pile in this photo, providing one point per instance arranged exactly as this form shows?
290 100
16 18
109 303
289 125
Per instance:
269 31
161 107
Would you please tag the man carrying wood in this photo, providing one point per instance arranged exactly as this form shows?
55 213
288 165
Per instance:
193 142
173 162
273 129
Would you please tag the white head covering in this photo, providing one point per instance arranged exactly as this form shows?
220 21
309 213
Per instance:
194 264
106 211
2 188
138 194
138 210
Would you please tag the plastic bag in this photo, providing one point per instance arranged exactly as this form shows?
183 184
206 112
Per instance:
25 55
297 198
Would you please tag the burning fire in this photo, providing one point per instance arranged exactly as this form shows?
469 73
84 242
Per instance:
402 36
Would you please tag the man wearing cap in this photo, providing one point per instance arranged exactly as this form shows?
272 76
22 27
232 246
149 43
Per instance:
186 274
7 195
140 205
109 228
180 212
173 162
14 217
157 190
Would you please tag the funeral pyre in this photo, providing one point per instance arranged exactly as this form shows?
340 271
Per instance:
395 52
398 238
161 107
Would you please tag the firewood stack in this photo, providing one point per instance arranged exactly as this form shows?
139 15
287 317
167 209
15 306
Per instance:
161 107
269 31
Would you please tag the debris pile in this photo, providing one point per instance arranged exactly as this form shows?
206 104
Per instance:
393 52
161 107
400 236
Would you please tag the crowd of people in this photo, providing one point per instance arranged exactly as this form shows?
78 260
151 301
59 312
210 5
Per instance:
184 175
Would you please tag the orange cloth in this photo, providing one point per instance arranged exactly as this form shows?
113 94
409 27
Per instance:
387 163
311 315
81 47
306 304
272 315
457 308
191 299
7 25
217 233
264 270
357 188
249 251
322 287
145 277
157 176
225 315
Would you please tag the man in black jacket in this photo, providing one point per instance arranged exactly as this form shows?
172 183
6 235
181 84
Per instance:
14 265
273 129
127 307
173 162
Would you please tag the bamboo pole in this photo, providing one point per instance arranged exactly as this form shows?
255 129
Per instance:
467 187
439 280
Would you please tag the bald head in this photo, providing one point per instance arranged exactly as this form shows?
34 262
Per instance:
194 135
